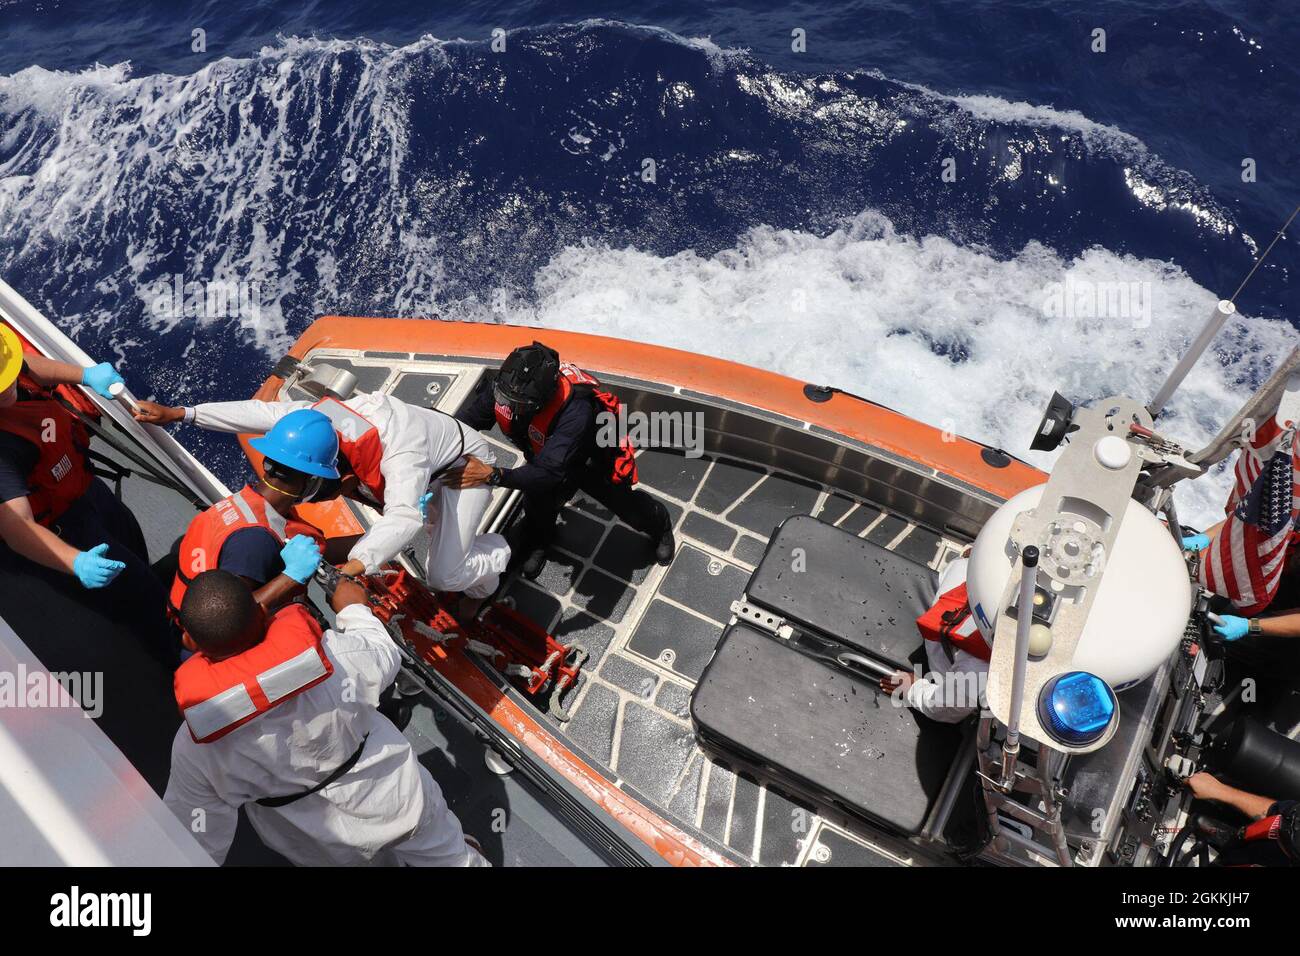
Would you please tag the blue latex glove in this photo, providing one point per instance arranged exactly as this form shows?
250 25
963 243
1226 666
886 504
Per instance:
94 570
424 505
1230 627
301 558
1196 542
100 377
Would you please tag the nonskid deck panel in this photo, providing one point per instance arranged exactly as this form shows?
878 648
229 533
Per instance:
650 632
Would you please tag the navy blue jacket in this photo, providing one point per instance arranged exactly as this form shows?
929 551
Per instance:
568 448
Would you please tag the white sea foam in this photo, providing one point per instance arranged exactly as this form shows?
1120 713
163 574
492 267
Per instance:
101 151
950 335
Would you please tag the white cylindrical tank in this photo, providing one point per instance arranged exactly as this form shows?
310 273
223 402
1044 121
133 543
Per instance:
1141 606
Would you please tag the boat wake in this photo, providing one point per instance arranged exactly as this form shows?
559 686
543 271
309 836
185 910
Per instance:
605 177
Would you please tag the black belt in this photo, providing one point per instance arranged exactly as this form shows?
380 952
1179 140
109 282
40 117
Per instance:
342 769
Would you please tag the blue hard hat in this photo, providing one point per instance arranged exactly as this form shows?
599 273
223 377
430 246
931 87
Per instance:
304 440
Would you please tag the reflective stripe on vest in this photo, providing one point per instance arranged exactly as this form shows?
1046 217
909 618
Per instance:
215 697
359 444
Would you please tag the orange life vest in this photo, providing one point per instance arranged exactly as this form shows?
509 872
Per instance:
358 443
949 621
201 547
61 474
215 697
571 379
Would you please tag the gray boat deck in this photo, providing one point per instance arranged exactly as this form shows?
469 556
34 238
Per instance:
651 630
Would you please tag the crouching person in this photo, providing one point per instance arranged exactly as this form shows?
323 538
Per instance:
281 719
956 652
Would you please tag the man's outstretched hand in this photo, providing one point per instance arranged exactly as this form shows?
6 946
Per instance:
470 475
151 413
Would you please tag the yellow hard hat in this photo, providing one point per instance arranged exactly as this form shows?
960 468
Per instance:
11 357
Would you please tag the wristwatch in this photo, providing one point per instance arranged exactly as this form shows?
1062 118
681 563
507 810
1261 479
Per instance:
494 477
1253 628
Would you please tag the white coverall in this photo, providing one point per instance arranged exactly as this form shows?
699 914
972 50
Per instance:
386 810
950 690
417 444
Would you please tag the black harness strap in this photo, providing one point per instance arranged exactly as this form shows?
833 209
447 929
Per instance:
342 769
460 430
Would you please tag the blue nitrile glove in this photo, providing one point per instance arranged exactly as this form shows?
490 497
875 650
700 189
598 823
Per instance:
301 558
101 377
1230 627
424 505
1196 542
94 570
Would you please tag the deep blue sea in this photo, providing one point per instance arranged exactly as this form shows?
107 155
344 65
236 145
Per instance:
390 159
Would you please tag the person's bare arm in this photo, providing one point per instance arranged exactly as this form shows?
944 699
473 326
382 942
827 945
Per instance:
21 531
1206 786
152 413
47 371
275 592
1282 625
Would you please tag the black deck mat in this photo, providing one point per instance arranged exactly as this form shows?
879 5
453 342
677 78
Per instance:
921 545
707 531
422 389
843 851
604 596
689 582
578 533
834 508
626 554
859 593
831 737
666 627
727 483
859 519
673 474
653 752
774 499
750 550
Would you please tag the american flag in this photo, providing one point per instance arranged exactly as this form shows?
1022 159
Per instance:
1245 560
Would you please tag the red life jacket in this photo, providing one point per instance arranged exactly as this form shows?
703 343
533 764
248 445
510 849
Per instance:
949 620
201 547
358 443
215 697
61 474
570 379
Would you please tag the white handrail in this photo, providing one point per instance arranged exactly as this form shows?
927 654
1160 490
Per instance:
171 456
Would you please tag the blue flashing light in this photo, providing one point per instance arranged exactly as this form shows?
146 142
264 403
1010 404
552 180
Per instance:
1077 708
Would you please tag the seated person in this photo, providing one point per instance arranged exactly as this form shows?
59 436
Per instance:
1272 838
55 512
252 533
957 654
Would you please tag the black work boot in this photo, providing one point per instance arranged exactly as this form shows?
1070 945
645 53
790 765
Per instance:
526 557
533 562
665 543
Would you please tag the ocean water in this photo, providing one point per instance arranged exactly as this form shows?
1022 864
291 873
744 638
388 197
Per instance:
391 159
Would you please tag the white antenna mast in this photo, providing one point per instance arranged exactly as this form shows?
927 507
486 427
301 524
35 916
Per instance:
1222 312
